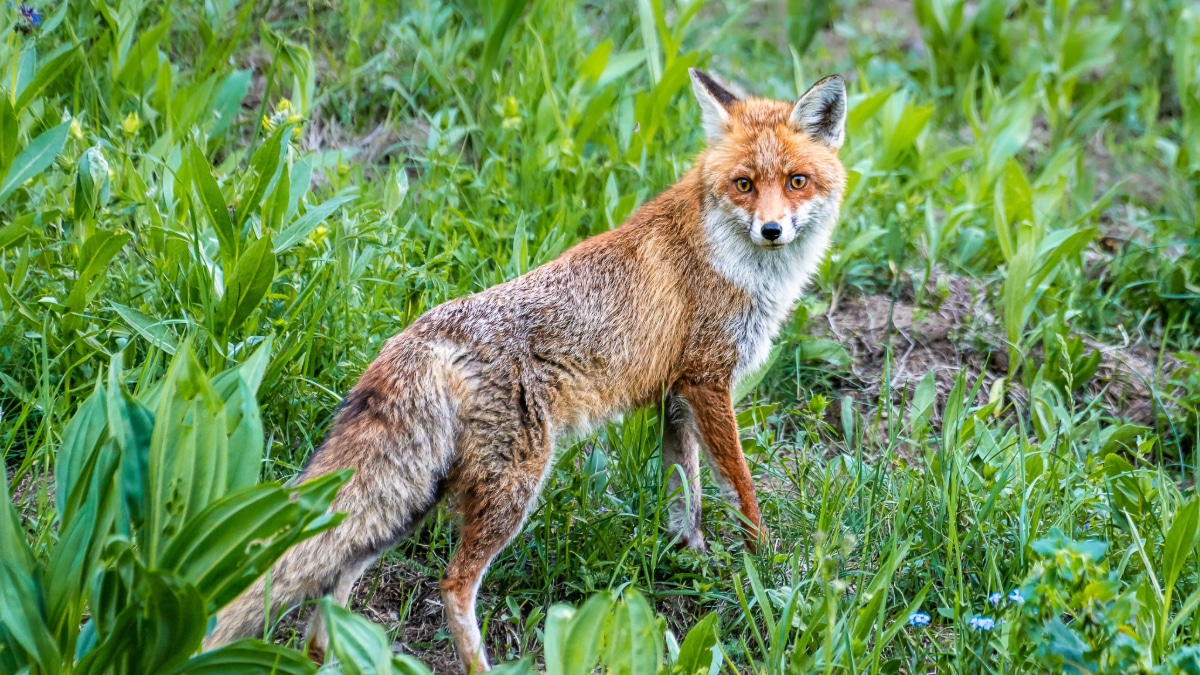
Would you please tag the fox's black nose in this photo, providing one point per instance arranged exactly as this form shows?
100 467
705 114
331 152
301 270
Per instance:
771 231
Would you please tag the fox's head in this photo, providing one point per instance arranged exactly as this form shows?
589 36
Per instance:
771 170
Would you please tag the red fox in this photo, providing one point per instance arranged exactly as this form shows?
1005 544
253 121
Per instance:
670 309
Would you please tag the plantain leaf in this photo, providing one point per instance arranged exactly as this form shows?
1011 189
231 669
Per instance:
247 286
34 159
154 331
304 224
249 657
235 540
93 264
633 637
22 620
1180 541
361 646
267 163
213 205
696 653
573 636
188 452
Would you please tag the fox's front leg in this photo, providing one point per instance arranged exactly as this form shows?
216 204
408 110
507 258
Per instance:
681 466
713 411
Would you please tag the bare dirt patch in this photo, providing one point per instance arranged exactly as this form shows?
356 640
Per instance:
953 330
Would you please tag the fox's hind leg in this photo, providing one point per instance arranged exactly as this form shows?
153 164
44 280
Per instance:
318 635
493 492
681 465
397 430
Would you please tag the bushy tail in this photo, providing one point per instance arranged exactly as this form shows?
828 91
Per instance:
396 428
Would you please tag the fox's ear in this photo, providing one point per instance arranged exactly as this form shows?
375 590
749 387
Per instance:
714 100
821 112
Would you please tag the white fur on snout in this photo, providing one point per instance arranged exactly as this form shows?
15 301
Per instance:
793 223
785 224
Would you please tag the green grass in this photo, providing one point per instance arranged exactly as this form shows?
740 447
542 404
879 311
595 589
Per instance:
160 199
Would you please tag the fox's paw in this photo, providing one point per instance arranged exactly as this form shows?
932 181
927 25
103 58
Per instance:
315 652
692 539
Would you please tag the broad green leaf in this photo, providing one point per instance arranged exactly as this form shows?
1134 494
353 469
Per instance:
142 60
21 616
213 205
620 65
227 101
235 540
45 75
593 66
131 426
74 560
8 133
1120 437
160 627
696 653
173 626
189 452
864 108
654 59
633 637
76 455
246 287
573 636
249 657
267 163
299 182
1126 493
34 159
14 550
13 233
1180 541
93 265
304 224
237 387
360 646
155 332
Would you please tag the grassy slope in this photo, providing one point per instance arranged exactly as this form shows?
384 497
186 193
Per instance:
1040 170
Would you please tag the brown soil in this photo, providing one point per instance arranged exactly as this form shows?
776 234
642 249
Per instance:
956 331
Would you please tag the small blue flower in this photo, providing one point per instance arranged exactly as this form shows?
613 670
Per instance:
995 598
1015 597
30 20
982 623
919 619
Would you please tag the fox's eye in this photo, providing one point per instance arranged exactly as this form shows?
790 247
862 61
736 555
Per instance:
743 184
798 181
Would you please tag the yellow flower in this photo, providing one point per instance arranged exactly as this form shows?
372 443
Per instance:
284 114
318 236
131 124
512 113
76 129
511 107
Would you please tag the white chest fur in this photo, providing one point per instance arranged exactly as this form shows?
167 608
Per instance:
773 280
